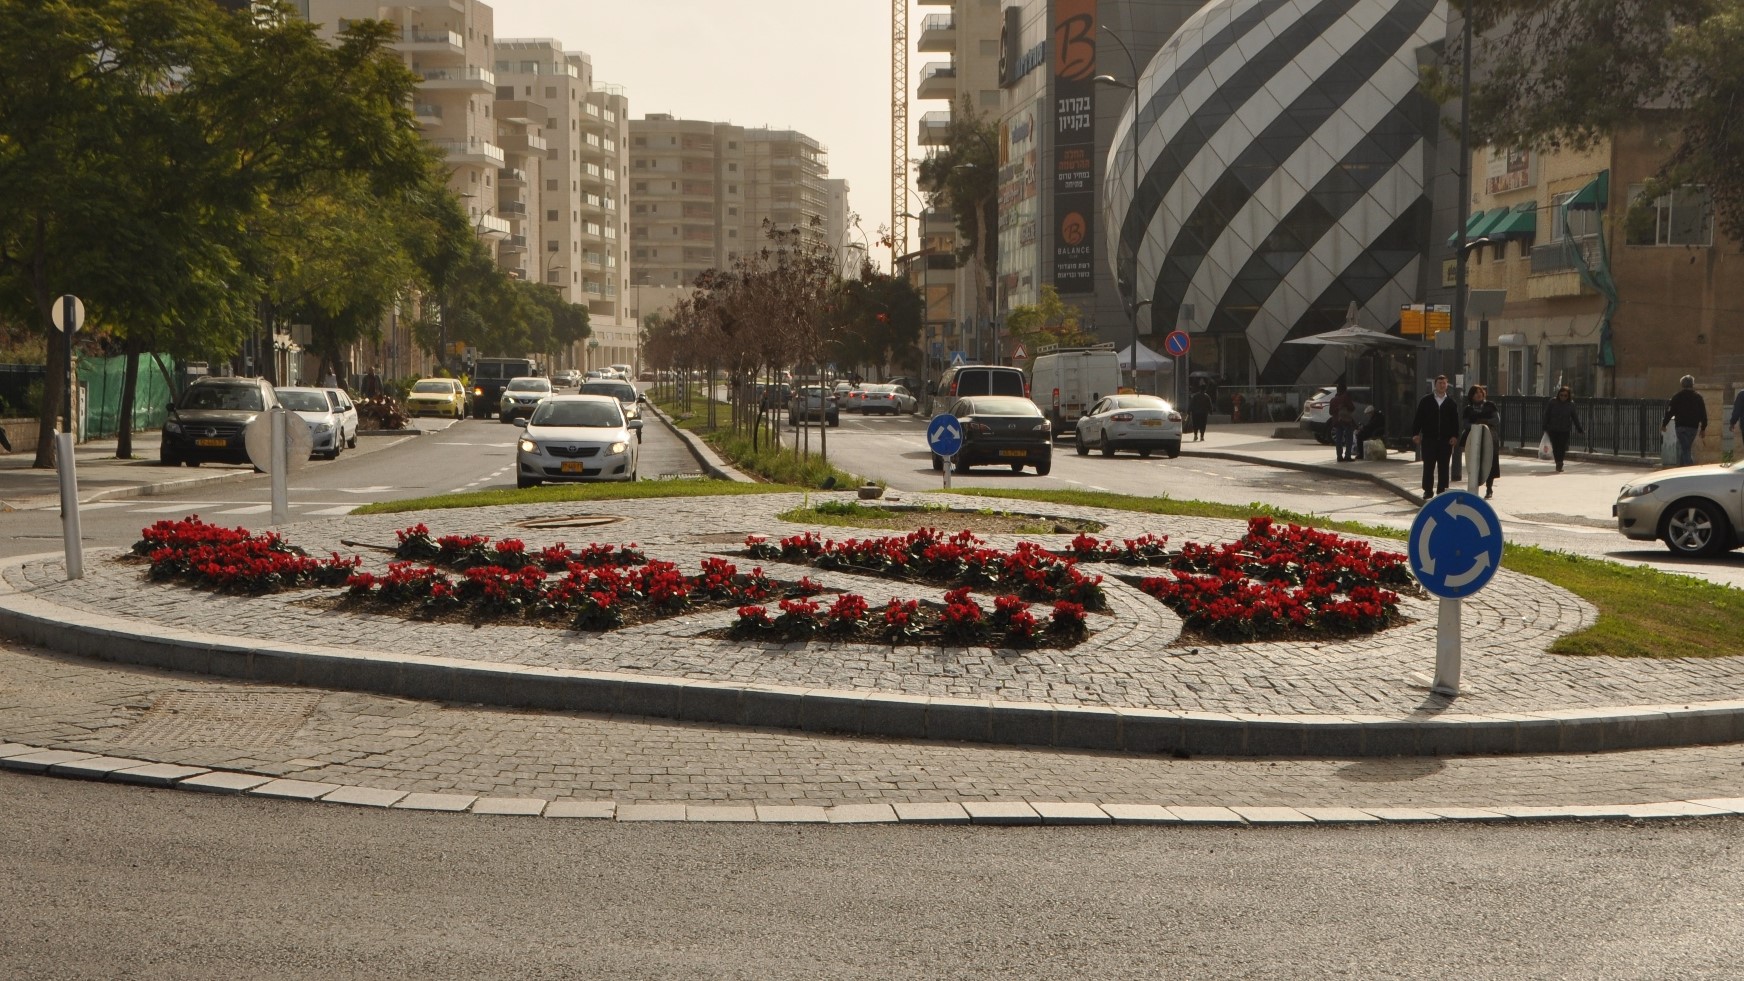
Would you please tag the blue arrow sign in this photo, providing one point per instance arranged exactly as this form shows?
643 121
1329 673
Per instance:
1456 544
945 434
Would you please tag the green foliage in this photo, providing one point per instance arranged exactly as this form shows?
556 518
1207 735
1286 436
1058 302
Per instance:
777 463
878 321
1050 321
962 177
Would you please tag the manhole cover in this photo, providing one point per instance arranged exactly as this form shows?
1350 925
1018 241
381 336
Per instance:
570 521
245 720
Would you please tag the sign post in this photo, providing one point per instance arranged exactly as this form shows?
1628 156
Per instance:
1177 344
1455 548
68 315
945 438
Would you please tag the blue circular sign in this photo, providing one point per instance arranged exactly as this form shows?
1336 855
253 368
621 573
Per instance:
1456 544
1177 343
945 434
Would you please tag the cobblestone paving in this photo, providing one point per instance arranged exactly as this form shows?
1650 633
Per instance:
65 703
1132 660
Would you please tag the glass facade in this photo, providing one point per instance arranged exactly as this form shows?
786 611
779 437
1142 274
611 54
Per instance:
1282 152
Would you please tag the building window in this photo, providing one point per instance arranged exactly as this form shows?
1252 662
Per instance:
551 184
1684 216
552 245
551 215
731 145
732 188
550 91
1582 222
732 212
732 168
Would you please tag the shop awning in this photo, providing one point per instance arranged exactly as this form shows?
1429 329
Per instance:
1595 195
1487 227
1477 218
1520 222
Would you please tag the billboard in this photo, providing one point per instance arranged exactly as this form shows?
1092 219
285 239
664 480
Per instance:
1074 145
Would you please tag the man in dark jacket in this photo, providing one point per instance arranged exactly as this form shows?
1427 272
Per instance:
1435 429
1691 414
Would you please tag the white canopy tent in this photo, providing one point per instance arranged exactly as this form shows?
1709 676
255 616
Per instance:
1148 360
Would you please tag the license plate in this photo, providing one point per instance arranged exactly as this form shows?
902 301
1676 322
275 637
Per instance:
1014 453
571 466
1151 422
211 442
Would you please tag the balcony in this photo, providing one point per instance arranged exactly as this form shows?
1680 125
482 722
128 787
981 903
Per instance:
459 80
489 226
428 114
512 177
514 243
527 142
476 151
512 209
938 32
935 128
424 40
938 80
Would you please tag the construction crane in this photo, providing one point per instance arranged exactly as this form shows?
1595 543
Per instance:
898 130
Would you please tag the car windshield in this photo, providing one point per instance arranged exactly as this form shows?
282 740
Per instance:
583 415
1003 407
241 397
433 385
529 385
617 390
304 401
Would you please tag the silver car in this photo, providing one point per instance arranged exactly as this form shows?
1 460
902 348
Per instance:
521 396
326 422
1693 510
576 437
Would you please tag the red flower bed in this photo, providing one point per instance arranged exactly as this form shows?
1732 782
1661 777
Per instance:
233 560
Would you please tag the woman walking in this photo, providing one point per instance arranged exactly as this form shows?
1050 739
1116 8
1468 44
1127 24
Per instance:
1561 416
1199 411
1480 411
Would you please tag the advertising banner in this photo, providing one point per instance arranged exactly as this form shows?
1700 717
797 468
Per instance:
1074 145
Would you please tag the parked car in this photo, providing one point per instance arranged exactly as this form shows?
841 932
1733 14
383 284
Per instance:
1317 413
522 396
624 392
964 381
1693 510
326 423
1002 429
206 423
573 438
436 396
892 399
1143 423
623 370
812 402
347 410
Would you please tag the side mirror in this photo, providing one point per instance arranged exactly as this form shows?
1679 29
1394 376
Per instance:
633 424
521 422
642 398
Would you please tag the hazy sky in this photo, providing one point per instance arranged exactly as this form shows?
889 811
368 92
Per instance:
818 66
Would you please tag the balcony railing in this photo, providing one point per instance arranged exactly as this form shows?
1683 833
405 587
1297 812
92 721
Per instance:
474 147
516 209
514 243
424 35
511 175
1553 256
479 77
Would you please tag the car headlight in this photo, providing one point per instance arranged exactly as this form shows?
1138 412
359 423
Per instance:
322 427
1636 490
617 448
174 428
528 446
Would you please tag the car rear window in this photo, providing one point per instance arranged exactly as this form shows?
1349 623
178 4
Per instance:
997 406
989 381
617 390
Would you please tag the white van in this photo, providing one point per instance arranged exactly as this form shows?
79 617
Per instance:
1067 381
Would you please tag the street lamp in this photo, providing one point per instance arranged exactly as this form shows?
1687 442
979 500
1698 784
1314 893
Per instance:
1459 274
1132 202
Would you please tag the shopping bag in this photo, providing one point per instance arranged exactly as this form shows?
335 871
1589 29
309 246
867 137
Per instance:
1374 449
1545 451
1668 448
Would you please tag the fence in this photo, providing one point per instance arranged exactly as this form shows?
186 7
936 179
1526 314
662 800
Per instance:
1619 427
101 378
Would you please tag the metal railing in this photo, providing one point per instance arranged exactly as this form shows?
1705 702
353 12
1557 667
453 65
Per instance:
1618 427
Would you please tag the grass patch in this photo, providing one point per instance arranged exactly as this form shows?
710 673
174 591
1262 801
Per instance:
1642 612
781 465
549 493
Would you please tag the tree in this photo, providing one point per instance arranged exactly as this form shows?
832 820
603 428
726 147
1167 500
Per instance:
878 320
1555 74
963 176
1049 321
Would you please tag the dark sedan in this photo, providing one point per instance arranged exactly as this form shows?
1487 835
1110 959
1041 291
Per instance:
1002 429
209 421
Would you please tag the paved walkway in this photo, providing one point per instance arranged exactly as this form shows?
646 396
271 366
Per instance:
148 725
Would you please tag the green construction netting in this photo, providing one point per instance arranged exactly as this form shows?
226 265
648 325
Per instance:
102 377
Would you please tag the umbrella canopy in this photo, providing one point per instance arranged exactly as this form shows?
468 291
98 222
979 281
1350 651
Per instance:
1353 336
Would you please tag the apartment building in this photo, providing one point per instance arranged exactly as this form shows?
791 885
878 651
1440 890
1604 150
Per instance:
575 206
700 191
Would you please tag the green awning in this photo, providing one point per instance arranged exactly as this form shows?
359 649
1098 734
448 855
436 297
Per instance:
1491 220
1594 195
1476 219
1520 222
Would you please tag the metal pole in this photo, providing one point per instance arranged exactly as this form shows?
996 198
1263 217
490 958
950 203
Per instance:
1459 273
278 453
1447 653
70 532
68 319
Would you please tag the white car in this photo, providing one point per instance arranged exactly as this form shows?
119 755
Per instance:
347 410
1144 423
1693 510
893 399
521 396
325 421
576 437
569 377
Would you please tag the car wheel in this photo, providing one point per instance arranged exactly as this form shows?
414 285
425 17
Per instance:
195 463
1144 454
835 420
1694 527
525 482
1172 449
1079 444
351 444
168 457
962 465
1017 468
938 462
1323 437
1105 446
1044 468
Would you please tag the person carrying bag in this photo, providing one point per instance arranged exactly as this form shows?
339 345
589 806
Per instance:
1560 417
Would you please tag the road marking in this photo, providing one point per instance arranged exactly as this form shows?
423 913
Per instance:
341 509
169 508
251 509
99 505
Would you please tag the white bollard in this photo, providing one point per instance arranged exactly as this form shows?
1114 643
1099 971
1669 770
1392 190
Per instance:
70 532
281 504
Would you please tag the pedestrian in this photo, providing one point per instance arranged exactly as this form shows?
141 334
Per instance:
1479 411
1561 416
1691 415
1737 410
1435 430
1199 410
329 380
1341 412
372 386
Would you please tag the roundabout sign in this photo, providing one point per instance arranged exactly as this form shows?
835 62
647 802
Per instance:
1455 549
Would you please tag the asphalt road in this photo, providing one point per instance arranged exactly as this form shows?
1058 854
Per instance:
104 881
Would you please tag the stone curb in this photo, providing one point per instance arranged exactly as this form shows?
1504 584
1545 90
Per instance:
36 621
1314 468
23 758
711 462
